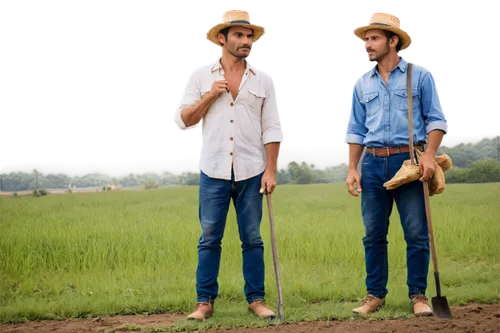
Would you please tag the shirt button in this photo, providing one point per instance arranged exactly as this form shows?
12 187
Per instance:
231 153
231 139
232 104
232 121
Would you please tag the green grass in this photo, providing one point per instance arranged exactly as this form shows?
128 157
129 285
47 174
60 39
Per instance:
80 255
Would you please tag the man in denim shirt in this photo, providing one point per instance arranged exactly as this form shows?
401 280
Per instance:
379 122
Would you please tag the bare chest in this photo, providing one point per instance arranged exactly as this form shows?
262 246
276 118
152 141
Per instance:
234 80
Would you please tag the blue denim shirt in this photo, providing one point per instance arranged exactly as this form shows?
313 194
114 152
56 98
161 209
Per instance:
379 114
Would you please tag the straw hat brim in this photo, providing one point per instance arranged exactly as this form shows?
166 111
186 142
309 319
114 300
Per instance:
212 33
405 38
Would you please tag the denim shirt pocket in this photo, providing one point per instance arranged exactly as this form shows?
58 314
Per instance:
401 100
371 102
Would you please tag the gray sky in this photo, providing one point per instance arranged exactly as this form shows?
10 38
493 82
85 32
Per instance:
321 158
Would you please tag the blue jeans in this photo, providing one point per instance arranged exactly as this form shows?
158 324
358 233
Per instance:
215 196
376 207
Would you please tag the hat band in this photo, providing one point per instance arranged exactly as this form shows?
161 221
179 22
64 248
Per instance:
382 24
239 22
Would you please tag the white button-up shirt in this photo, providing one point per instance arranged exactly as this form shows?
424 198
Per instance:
234 131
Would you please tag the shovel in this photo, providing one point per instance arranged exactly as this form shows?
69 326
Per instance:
440 305
281 314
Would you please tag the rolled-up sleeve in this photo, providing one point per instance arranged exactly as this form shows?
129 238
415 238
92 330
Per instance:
356 129
190 97
271 126
431 107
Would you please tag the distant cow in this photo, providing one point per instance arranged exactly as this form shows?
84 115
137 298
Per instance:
111 187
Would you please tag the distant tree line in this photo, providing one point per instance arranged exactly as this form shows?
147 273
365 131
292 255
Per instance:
464 155
472 163
19 181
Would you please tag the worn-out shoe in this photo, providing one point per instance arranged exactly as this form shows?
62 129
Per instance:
370 304
203 311
260 309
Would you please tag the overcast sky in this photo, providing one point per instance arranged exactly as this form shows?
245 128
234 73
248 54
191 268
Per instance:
321 158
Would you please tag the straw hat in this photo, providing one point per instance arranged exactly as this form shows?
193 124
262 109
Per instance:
234 18
410 172
385 22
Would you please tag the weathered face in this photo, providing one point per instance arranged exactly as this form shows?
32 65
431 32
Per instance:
377 45
238 42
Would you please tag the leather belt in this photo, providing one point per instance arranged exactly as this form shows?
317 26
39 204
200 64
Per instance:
387 151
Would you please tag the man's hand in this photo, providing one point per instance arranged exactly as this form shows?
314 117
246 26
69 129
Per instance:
218 87
268 182
426 166
353 177
192 115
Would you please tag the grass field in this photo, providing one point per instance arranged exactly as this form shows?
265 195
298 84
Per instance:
90 254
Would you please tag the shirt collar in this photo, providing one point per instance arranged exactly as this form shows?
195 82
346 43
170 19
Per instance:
402 65
249 68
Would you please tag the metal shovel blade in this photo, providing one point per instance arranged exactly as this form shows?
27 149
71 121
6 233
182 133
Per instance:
440 307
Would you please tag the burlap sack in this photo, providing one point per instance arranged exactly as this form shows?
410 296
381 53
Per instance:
408 173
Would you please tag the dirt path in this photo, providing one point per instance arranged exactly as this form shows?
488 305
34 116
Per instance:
472 318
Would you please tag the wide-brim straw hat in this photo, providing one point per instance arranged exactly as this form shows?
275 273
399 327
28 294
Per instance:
385 22
234 18
410 172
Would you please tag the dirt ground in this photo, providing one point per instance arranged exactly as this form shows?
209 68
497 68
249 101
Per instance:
472 318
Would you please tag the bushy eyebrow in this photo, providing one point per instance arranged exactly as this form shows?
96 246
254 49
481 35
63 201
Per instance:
239 33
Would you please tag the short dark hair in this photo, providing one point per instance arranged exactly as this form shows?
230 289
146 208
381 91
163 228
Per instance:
225 32
389 35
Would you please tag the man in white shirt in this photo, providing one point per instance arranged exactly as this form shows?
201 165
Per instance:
241 140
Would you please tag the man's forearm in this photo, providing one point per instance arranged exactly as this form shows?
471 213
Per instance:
272 151
191 115
434 141
355 151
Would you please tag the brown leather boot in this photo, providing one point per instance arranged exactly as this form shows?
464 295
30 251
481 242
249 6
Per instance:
260 308
370 304
421 306
203 311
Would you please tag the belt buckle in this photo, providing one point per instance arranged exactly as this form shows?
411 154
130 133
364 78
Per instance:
388 152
